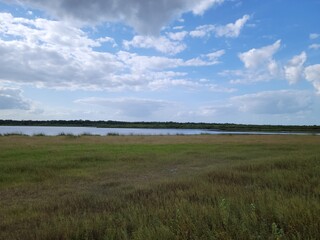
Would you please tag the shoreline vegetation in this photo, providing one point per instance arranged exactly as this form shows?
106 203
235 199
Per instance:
168 125
160 187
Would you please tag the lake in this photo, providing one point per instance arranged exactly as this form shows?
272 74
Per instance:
54 131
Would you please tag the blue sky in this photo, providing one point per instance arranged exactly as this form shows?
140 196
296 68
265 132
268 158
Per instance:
235 61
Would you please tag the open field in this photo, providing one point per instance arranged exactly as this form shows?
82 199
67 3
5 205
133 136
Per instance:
160 187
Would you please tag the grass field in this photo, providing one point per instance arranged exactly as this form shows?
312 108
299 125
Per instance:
160 187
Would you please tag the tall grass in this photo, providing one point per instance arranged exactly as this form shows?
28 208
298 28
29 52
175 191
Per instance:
168 187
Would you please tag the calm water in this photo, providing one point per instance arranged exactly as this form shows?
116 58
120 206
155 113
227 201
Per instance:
53 131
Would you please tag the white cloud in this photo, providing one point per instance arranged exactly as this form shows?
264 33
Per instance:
313 36
144 18
108 40
178 27
312 74
314 46
161 44
231 30
40 31
11 98
177 36
202 6
52 54
294 69
50 66
259 64
202 31
248 76
256 58
202 84
215 55
199 62
139 64
206 59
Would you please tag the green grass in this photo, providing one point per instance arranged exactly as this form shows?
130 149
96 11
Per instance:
160 187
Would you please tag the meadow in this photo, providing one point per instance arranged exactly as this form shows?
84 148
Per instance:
160 187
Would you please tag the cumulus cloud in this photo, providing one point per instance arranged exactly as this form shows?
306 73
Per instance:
202 31
48 67
256 58
177 36
138 63
161 44
202 84
107 40
231 30
11 98
145 18
53 54
44 32
294 69
202 6
312 74
205 59
178 27
259 63
215 55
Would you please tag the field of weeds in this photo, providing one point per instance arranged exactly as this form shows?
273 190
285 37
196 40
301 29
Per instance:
160 187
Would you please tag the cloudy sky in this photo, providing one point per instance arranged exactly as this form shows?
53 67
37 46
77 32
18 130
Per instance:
236 61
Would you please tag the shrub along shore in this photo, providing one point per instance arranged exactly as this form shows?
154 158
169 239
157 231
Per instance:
160 187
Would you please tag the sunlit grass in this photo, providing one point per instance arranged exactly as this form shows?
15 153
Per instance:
159 187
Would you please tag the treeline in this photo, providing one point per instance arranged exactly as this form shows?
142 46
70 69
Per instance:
172 125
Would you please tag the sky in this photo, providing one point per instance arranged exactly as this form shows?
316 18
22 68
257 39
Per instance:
217 61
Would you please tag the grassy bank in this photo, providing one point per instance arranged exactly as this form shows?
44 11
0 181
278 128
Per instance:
160 187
